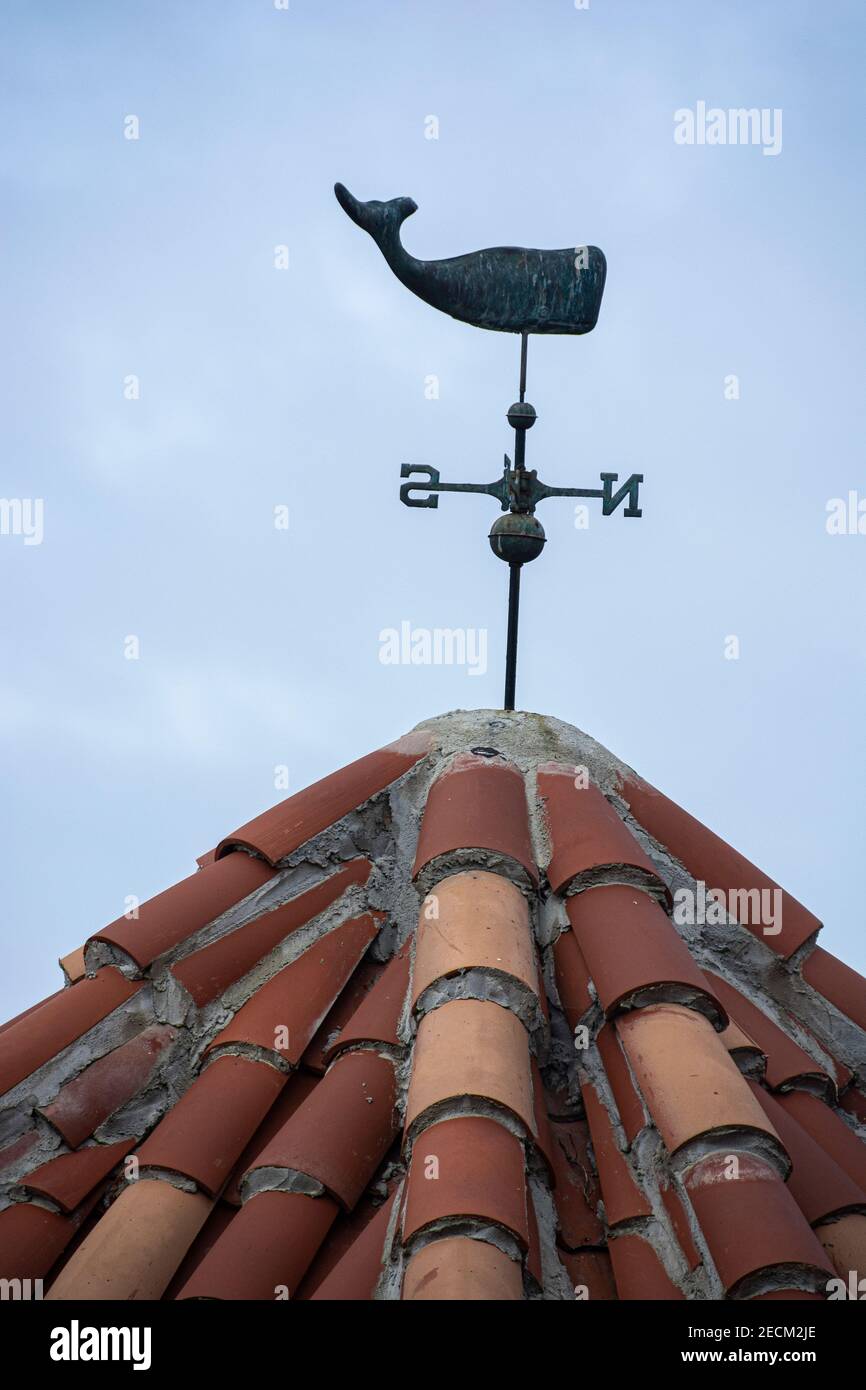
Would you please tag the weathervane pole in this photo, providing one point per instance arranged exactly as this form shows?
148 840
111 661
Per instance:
514 567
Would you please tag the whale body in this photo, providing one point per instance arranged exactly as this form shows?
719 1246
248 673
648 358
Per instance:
510 289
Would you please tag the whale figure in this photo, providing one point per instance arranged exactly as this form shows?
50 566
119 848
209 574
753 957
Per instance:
510 289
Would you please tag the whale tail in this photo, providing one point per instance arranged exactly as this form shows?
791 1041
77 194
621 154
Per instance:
381 220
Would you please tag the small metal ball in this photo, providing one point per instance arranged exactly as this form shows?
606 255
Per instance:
521 415
517 538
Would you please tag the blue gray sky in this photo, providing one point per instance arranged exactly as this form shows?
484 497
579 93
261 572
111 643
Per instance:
308 387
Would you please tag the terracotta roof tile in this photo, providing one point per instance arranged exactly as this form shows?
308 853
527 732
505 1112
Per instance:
844 1241
690 1084
751 1222
590 1274
284 828
634 954
234 1143
84 1103
297 1089
838 983
830 1131
283 1014
31 1240
458 1269
68 1179
679 1220
40 1034
221 1214
543 1137
572 979
787 1062
348 1267
73 965
471 1048
266 1250
477 803
168 919
342 1131
632 1112
133 1251
638 1271
744 1050
208 972
206 1130
327 1035
819 1186
709 859
576 1194
623 1199
587 836
376 1018
468 1167
473 920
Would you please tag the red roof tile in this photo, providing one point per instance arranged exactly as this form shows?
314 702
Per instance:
282 1015
284 828
469 1079
787 1063
266 1250
587 835
632 1112
830 1131
351 1260
68 1179
460 1270
634 953
378 1013
691 1086
136 1246
679 1220
710 860
205 1132
327 1036
638 1271
751 1222
342 1131
84 1103
467 1168
838 983
40 1034
623 1199
590 1274
477 803
576 1193
819 1186
168 919
296 1090
206 973
470 921
572 979
31 1240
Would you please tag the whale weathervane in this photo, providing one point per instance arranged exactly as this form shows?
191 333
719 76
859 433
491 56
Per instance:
509 289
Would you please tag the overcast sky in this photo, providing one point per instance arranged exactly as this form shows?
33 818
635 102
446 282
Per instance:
307 387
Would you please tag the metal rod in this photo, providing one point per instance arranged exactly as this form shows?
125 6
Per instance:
524 340
511 648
